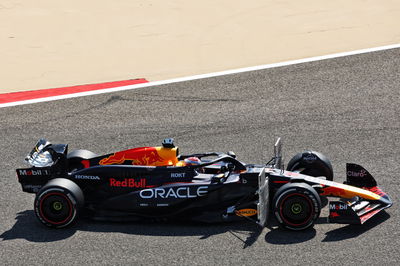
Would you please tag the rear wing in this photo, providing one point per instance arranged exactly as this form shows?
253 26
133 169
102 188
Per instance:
33 179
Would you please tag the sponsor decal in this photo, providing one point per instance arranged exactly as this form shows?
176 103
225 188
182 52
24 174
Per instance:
128 182
88 177
246 212
338 207
376 190
33 188
174 192
309 157
85 163
334 214
362 173
138 156
33 172
178 174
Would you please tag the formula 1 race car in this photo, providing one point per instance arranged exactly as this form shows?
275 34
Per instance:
158 183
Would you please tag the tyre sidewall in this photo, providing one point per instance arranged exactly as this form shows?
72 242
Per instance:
72 204
315 164
302 190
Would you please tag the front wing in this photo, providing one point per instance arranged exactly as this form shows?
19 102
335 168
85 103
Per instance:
358 210
361 198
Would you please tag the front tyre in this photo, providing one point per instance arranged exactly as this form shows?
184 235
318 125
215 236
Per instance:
296 206
57 204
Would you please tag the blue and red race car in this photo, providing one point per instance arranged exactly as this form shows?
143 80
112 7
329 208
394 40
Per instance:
157 183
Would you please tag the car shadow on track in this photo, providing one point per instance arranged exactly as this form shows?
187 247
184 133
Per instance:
279 236
27 227
352 231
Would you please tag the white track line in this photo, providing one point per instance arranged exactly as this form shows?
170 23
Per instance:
203 76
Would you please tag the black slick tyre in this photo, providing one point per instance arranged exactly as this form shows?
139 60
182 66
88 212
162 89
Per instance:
296 206
311 163
58 203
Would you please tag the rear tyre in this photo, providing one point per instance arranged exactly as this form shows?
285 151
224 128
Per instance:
296 206
58 203
311 163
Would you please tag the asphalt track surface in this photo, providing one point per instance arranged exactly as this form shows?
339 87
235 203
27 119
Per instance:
347 108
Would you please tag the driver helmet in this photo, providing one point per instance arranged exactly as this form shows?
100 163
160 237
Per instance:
194 161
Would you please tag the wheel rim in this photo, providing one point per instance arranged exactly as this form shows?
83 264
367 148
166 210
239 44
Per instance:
57 205
296 209
56 208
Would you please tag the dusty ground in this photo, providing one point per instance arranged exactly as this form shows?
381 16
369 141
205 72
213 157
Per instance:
46 43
